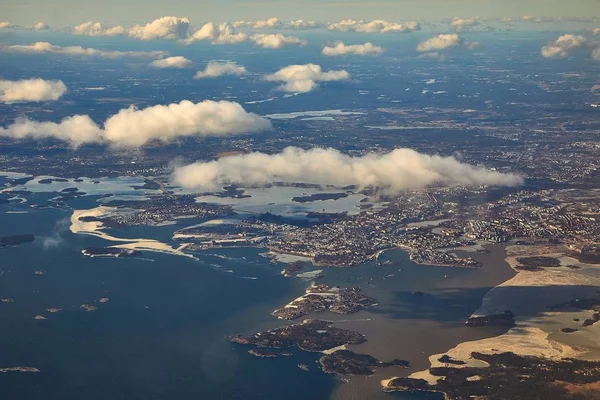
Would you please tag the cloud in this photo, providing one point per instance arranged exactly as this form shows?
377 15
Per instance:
303 24
48 48
56 239
596 31
76 130
223 33
216 69
41 26
276 23
96 29
394 171
276 41
341 49
171 62
270 23
162 28
304 78
561 47
378 26
132 127
463 23
596 54
31 90
445 41
4 25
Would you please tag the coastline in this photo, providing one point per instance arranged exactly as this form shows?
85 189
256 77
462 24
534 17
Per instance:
425 330
539 329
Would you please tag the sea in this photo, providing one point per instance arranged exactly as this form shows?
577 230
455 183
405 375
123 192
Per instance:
160 323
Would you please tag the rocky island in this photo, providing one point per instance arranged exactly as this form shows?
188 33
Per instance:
346 362
15 240
323 297
310 335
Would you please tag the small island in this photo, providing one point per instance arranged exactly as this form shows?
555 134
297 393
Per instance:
15 240
310 335
323 297
110 252
346 362
319 197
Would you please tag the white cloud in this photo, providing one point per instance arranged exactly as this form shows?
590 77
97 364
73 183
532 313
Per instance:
76 130
277 41
304 78
35 90
48 48
96 29
596 31
379 26
7 25
270 23
561 47
394 171
216 69
302 24
162 28
359 49
131 127
596 54
41 26
171 62
276 23
462 23
445 41
218 34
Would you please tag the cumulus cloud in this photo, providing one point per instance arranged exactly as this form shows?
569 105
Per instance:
162 28
394 171
463 23
96 29
341 49
596 31
171 62
276 23
277 41
304 78
561 47
48 48
223 33
270 23
35 90
596 54
303 24
216 69
7 25
76 130
376 26
132 127
41 26
445 41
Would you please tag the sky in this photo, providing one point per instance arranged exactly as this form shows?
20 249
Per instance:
65 13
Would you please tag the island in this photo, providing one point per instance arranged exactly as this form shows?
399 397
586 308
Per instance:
322 297
310 335
110 252
346 362
19 369
319 197
508 376
15 240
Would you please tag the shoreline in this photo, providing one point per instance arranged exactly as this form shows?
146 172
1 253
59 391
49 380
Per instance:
538 329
